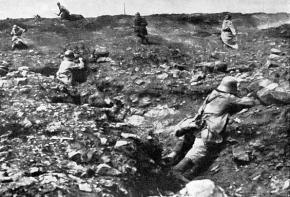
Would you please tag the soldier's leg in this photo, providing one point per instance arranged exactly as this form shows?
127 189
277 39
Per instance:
180 149
13 46
66 79
193 156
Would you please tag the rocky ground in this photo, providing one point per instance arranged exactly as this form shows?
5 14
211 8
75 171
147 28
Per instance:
106 137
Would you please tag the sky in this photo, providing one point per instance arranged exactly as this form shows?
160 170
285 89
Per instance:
91 8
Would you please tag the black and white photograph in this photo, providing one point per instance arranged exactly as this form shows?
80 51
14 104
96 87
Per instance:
138 98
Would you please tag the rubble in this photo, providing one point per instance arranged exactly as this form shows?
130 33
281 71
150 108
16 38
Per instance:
99 137
202 188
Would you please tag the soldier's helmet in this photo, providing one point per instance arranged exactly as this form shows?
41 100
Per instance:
58 3
137 14
69 54
228 17
229 85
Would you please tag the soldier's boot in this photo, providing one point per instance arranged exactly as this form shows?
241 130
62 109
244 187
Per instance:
180 168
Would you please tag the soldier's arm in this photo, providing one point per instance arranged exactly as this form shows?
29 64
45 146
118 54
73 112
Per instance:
80 65
60 11
21 29
232 28
244 102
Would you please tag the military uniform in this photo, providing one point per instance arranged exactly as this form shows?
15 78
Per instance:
68 67
63 12
17 41
140 29
228 34
214 112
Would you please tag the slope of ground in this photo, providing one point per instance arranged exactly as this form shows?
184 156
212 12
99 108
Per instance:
54 142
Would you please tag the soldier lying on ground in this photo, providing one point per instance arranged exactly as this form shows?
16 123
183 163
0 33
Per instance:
71 72
209 125
17 42
140 29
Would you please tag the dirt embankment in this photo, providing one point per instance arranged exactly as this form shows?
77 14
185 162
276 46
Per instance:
98 139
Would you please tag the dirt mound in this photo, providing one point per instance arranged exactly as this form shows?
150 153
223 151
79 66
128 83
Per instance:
98 139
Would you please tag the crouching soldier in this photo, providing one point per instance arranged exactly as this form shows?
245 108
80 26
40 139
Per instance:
17 42
69 71
214 114
63 12
140 29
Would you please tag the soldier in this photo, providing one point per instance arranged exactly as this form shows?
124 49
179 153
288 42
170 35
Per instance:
17 41
213 115
68 68
140 29
228 32
63 12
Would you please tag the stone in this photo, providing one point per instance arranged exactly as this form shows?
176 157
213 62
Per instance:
5 83
274 57
35 171
197 77
139 81
144 101
162 76
25 181
21 81
22 68
85 187
202 188
101 52
286 185
220 66
275 51
207 66
240 154
270 96
160 111
3 70
135 120
104 59
41 108
103 140
74 156
129 135
272 64
121 143
106 170
26 123
54 127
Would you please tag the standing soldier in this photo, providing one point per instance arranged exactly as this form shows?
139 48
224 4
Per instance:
140 29
228 33
63 12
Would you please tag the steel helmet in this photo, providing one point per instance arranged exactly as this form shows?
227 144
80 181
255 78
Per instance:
69 54
229 85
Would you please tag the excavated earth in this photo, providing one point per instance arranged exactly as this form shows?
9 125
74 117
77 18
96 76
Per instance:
106 137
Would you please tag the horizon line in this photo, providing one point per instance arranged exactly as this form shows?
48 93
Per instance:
288 13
